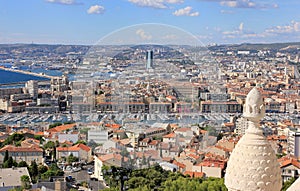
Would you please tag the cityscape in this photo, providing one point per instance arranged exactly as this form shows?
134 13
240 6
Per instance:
151 106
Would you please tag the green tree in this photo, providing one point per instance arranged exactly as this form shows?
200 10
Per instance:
52 171
72 158
80 142
49 145
16 189
42 169
33 171
6 156
8 163
55 125
25 180
39 137
22 164
287 184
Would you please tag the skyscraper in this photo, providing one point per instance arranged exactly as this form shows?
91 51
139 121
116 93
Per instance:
149 58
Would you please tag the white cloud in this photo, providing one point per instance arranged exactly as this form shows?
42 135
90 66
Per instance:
186 12
160 4
143 35
290 28
239 30
247 4
64 2
96 9
289 32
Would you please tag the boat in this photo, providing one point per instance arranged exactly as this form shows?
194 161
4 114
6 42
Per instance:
15 67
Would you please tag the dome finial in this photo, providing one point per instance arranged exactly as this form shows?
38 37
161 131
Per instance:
254 106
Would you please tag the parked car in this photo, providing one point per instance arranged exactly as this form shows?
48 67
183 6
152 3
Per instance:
76 169
68 168
90 171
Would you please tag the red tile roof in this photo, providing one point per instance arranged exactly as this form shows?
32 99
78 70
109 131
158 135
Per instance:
212 163
288 160
11 148
113 126
110 156
170 135
74 148
194 174
179 164
62 128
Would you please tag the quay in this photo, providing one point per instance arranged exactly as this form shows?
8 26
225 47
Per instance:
28 73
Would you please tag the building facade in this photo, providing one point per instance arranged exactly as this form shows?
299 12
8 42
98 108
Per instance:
27 154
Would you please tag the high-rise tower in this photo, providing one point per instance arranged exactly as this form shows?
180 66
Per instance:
149 58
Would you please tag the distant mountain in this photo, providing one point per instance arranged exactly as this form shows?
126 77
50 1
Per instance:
14 51
248 46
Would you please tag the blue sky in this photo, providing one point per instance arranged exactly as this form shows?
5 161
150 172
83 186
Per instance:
87 21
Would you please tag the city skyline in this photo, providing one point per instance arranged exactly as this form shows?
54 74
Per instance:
211 21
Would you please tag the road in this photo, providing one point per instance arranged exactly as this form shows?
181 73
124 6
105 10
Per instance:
84 176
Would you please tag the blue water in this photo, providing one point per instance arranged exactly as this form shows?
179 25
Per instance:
7 77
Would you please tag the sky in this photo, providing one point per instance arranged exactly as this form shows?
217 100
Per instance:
88 21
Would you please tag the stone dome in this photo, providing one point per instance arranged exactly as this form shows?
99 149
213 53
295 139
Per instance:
253 165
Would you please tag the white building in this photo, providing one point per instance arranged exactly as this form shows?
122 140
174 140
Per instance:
32 88
294 144
241 126
98 135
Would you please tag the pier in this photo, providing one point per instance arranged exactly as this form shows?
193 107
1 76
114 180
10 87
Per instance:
28 73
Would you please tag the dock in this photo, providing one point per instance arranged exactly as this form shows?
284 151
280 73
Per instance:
27 72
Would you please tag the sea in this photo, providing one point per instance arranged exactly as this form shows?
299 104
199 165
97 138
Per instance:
9 77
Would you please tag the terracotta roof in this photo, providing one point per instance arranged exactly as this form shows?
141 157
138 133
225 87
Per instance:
11 148
110 156
275 137
183 129
228 124
62 128
288 160
179 164
194 174
39 133
212 163
83 147
170 135
114 126
193 156
66 142
154 142
223 148
125 141
145 140
77 147
31 140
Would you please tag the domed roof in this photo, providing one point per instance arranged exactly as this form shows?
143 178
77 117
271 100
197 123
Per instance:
253 164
